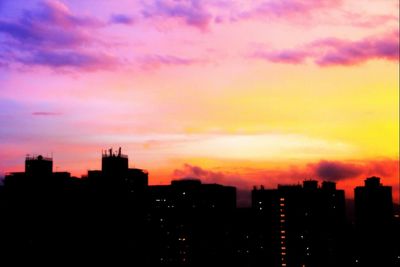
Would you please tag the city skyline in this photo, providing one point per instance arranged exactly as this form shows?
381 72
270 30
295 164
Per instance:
236 92
123 219
243 198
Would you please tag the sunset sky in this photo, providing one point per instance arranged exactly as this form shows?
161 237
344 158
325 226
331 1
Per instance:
235 92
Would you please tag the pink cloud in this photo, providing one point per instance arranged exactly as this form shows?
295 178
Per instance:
46 113
71 60
288 9
155 61
340 52
284 56
333 51
190 12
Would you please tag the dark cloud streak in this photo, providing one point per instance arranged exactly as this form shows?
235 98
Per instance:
122 19
46 113
336 170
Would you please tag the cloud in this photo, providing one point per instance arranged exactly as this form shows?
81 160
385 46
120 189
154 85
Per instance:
46 113
333 51
287 9
51 25
52 36
284 56
122 19
33 34
243 195
336 170
341 52
191 12
327 170
210 176
156 61
70 59
244 178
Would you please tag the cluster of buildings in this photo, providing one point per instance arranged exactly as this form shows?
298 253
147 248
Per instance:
113 215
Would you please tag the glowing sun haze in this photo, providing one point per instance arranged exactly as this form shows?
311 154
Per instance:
236 92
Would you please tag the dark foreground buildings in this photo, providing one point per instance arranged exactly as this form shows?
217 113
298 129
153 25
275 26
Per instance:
377 235
300 225
113 217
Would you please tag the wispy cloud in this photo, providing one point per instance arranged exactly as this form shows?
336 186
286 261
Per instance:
122 19
191 12
334 51
156 61
46 113
69 59
286 9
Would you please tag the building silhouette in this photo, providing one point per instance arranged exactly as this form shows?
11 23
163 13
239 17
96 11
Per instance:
189 221
299 225
113 216
374 224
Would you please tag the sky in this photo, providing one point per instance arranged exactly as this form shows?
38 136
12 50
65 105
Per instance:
239 92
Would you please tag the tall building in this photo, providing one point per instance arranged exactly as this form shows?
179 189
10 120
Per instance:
188 222
373 204
114 163
298 225
38 166
115 174
38 176
374 219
